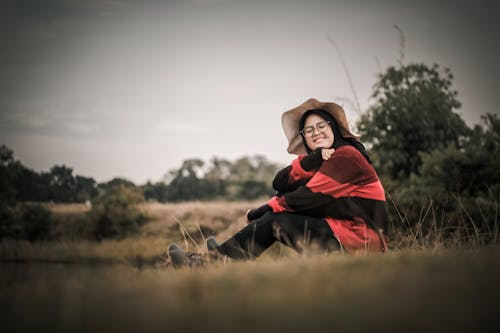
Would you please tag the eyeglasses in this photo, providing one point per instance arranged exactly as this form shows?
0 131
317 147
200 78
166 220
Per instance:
308 131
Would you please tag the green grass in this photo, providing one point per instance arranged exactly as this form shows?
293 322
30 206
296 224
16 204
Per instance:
403 291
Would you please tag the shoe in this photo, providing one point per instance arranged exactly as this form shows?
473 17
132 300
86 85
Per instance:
212 243
214 251
177 256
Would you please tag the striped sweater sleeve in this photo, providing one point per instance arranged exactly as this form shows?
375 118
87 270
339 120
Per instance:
293 176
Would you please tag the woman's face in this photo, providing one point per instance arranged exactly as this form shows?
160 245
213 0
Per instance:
322 136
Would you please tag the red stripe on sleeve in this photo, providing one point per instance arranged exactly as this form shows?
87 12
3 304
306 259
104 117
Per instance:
373 191
324 184
278 205
297 172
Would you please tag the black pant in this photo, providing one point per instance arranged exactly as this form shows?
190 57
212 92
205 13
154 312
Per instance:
293 230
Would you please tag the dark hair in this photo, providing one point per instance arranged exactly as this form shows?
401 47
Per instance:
339 140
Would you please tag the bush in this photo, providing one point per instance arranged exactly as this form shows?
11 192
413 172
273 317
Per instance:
25 221
462 183
116 213
71 227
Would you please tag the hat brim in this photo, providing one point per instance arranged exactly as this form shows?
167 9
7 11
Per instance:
290 120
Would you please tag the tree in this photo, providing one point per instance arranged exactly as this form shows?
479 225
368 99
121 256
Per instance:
117 181
62 184
32 186
246 178
413 114
251 189
156 192
217 176
186 183
86 189
8 173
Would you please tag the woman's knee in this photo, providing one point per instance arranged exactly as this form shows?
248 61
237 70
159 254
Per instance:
281 225
281 218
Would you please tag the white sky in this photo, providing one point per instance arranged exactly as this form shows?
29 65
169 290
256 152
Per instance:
130 89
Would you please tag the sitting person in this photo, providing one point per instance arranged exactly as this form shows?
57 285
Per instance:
330 196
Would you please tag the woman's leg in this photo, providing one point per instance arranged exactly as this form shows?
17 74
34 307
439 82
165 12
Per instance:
299 232
252 240
296 231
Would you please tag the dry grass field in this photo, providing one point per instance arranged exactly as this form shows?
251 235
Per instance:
127 285
184 223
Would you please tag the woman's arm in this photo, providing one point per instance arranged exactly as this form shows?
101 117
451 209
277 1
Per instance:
293 177
298 173
327 191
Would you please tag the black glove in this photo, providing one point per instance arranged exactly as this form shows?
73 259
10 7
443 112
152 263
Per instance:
313 160
254 214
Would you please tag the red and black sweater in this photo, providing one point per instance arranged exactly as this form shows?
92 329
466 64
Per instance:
345 190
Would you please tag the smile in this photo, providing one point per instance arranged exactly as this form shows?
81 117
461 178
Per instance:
318 140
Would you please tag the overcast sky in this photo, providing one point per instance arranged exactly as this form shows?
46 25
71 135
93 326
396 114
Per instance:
131 88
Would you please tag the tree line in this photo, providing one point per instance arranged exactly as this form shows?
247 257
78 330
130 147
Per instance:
248 177
114 204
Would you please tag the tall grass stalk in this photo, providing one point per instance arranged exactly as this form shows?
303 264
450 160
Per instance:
185 232
440 230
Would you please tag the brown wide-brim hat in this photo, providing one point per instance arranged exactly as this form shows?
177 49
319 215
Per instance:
290 120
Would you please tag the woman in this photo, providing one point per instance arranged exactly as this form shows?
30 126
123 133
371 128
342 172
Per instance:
330 196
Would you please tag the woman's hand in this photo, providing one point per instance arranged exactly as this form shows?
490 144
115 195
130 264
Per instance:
312 160
315 158
327 153
254 214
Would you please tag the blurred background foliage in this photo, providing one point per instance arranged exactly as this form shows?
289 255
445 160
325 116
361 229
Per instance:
439 173
114 205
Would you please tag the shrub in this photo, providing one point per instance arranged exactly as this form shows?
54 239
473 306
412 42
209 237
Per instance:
461 186
116 213
25 221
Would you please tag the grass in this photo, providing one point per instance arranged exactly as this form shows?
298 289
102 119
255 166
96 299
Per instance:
185 223
126 285
189 223
410 291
